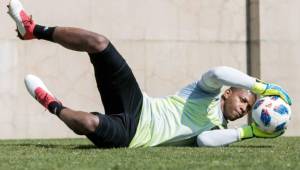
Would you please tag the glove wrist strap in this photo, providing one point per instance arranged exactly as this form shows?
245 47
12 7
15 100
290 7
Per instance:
245 132
259 87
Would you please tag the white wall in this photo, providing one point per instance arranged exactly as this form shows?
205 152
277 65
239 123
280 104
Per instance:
168 44
280 50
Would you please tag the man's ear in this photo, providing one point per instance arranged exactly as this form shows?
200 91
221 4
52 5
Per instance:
227 93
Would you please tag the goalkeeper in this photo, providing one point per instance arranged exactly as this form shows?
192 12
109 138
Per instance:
196 115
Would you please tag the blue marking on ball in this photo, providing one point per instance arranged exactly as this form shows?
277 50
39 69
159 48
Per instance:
265 117
280 127
281 109
257 104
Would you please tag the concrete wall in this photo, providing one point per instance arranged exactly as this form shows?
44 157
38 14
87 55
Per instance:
168 44
280 50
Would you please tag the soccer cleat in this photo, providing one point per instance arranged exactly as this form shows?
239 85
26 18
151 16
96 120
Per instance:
25 24
39 91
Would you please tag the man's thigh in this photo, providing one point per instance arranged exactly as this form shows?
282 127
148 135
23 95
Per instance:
119 90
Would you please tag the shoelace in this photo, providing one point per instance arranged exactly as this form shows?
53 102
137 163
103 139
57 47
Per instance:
28 22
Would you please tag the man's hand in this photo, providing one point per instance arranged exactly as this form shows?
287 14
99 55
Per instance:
249 131
268 89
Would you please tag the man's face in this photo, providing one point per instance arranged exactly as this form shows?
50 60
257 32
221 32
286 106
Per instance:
237 103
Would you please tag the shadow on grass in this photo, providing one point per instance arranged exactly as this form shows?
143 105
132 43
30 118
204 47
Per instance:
86 147
52 146
251 146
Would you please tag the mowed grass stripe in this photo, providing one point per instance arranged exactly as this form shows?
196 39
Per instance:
279 153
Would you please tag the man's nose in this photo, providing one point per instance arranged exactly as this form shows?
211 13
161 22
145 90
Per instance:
243 108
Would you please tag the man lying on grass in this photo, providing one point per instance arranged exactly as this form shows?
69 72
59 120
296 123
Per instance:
196 115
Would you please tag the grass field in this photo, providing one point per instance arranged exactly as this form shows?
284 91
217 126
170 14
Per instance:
280 153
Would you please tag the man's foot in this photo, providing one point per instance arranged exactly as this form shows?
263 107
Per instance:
25 24
39 91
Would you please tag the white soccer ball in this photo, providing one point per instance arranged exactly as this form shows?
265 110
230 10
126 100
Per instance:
271 114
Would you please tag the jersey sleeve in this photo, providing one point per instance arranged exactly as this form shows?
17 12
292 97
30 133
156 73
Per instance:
215 138
213 80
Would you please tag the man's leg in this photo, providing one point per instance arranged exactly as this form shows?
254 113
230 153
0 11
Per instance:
82 123
120 93
79 40
71 38
74 39
102 130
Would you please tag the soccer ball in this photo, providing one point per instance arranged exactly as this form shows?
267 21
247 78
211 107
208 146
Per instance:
271 114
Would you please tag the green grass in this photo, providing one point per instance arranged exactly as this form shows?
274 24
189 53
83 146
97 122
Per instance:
280 153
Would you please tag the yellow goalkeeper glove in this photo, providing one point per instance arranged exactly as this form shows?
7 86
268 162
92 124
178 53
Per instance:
249 131
268 89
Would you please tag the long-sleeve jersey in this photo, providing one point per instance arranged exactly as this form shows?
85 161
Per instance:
178 119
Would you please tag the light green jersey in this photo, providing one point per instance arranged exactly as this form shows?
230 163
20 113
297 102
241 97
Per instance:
178 119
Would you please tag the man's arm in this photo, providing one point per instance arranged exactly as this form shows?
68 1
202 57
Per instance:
220 137
224 137
215 78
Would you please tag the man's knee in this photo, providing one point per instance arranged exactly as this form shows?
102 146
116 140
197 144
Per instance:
92 124
88 125
97 43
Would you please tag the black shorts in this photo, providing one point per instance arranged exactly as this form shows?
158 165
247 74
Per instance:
121 97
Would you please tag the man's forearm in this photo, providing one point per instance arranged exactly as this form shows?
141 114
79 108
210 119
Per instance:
215 78
214 138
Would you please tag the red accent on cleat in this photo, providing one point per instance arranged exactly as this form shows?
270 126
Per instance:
43 97
28 25
24 22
